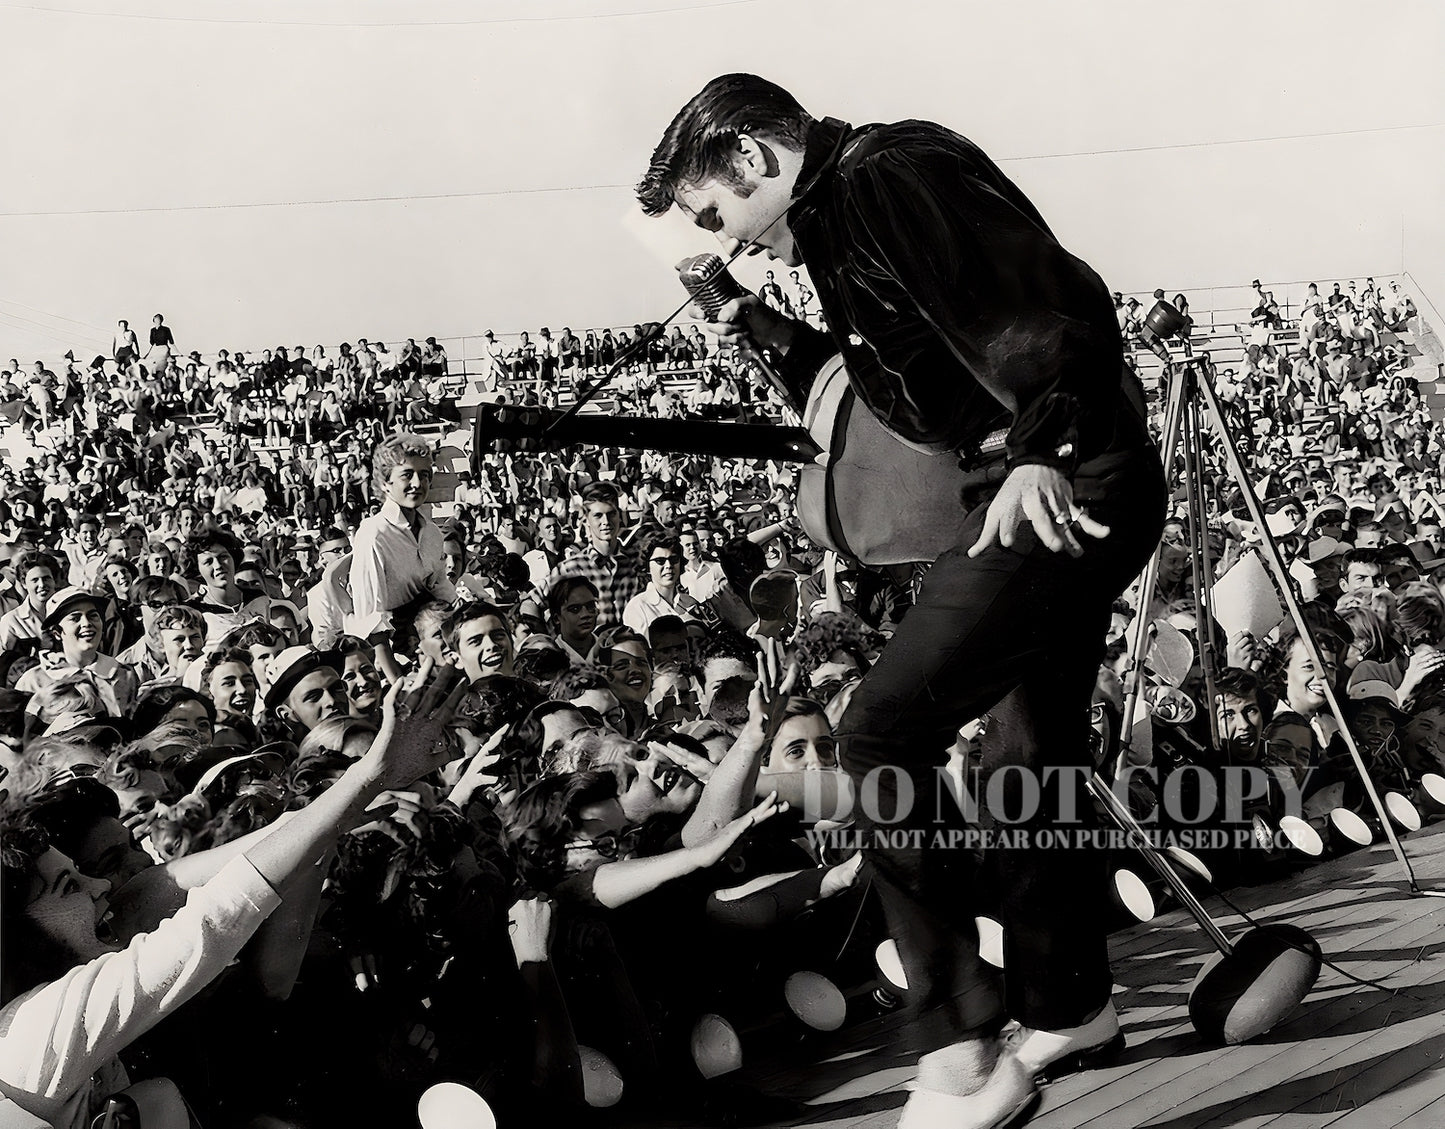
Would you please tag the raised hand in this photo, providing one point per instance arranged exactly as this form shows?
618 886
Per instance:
477 772
1421 666
529 922
414 738
1241 650
776 679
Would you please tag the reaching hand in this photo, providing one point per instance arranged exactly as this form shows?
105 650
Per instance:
711 850
1044 497
699 766
769 693
477 772
413 740
1421 666
530 924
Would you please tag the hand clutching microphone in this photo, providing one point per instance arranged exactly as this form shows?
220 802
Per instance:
748 325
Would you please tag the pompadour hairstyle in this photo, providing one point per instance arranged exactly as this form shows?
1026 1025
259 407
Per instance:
700 142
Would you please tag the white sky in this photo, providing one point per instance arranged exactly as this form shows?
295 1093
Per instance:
511 131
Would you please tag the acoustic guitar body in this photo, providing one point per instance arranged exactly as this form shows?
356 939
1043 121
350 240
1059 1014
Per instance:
871 495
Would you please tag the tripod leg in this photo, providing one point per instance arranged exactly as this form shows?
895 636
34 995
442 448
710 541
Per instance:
1139 648
1271 554
1199 554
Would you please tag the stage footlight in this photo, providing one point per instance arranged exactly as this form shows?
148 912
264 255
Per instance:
1190 862
715 1045
601 1080
890 965
1240 995
1405 814
450 1105
1347 831
815 1000
1301 836
1430 795
1133 896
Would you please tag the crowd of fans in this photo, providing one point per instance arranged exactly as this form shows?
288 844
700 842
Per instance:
304 785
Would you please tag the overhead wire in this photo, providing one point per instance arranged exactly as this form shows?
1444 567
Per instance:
34 327
493 192
398 199
102 331
382 24
1225 141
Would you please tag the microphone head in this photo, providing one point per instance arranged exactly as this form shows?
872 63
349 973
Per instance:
706 278
698 270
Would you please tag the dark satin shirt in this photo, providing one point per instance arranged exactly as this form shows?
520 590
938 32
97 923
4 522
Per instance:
949 297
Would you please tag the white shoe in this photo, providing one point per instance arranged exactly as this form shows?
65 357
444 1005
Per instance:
1052 1054
1002 1102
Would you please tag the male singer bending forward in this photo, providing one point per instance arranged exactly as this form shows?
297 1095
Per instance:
957 312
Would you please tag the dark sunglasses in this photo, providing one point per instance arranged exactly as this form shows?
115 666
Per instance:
609 845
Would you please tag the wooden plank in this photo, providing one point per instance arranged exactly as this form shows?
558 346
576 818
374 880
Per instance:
1320 1096
1405 1095
1431 1116
1161 1084
1227 1079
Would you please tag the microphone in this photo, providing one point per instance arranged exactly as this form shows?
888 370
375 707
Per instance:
706 278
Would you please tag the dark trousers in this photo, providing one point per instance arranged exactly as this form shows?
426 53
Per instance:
1017 633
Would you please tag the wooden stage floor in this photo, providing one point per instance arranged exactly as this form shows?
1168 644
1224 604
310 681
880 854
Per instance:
1350 1057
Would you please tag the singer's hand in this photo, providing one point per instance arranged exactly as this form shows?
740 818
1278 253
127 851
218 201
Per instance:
747 324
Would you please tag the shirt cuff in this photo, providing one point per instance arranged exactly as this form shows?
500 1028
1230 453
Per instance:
1046 433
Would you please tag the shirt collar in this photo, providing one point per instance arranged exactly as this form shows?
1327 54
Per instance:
397 516
102 666
821 152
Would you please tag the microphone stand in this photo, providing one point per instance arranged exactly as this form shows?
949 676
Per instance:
585 395
653 332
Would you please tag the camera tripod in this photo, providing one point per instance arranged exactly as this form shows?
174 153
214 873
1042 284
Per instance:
1191 405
